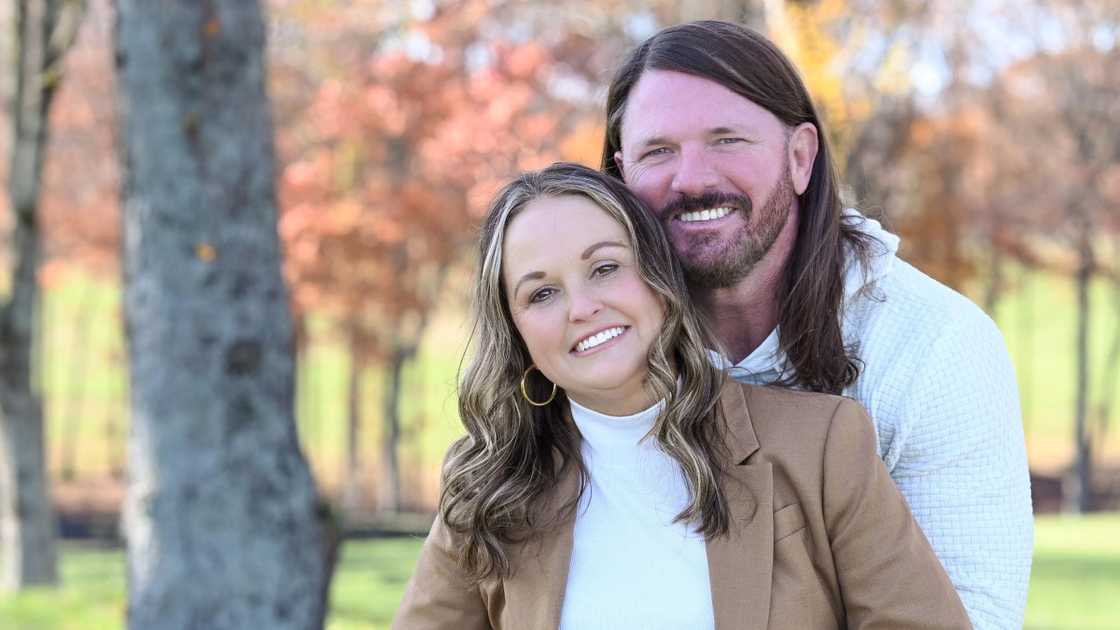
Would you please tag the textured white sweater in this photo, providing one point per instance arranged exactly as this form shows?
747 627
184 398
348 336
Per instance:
632 568
939 385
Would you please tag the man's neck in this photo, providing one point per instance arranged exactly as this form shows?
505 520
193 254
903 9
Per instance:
743 316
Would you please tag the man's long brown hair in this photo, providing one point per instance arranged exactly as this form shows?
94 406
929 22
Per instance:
812 290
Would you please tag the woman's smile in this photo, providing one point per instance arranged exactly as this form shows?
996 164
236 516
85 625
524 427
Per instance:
599 341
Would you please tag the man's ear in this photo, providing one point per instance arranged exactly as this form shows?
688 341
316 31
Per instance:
803 145
618 164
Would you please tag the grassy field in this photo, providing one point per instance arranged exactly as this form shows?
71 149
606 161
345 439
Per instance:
1075 583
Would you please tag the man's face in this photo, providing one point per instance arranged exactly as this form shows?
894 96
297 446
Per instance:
713 166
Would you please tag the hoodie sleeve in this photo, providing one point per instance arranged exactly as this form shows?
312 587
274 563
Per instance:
957 453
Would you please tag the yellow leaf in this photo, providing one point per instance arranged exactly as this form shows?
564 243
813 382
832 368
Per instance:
205 252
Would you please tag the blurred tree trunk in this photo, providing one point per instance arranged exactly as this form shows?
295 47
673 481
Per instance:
1025 368
224 526
352 496
42 31
391 436
994 286
1083 496
1110 382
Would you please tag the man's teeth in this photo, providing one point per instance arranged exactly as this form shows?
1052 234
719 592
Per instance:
704 215
599 338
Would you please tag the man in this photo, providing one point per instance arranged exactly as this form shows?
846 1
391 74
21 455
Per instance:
711 126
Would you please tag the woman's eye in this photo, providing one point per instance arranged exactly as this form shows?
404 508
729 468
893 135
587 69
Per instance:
540 295
604 269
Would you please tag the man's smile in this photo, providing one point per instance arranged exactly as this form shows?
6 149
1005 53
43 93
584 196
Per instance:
697 216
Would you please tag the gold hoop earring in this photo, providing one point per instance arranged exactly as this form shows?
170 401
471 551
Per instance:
525 390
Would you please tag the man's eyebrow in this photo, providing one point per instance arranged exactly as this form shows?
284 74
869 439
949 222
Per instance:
591 250
532 275
722 130
654 140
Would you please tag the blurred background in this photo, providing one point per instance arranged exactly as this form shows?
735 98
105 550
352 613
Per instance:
985 133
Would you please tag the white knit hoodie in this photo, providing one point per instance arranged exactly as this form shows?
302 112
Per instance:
939 385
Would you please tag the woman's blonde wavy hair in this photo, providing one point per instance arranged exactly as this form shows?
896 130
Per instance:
496 476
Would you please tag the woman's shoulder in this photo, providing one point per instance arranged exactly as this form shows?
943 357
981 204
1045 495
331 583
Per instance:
771 402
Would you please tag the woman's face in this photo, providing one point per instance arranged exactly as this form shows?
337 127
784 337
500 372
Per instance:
584 313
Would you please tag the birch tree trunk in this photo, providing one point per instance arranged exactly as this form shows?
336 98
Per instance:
222 518
43 30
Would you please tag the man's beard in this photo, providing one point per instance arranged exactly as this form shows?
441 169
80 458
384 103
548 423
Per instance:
747 246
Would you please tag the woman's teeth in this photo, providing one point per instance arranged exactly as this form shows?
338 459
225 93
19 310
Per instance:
704 215
599 338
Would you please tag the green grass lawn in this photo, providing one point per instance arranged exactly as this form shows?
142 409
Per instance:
1075 583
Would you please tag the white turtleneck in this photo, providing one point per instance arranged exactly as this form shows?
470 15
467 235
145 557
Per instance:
632 568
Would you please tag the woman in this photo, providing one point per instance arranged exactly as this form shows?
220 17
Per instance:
611 477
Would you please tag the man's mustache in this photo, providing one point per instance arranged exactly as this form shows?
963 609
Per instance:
704 202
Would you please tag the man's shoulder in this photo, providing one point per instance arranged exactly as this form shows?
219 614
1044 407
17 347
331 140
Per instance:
918 339
908 303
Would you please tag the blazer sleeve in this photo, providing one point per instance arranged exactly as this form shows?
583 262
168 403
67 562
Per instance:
889 576
439 596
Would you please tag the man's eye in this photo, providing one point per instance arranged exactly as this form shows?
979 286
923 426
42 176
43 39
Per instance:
604 269
655 152
729 140
540 295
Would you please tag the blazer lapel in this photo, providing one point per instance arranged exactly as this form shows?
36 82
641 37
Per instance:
740 564
534 593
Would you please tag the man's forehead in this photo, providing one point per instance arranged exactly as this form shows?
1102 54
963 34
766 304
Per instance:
664 103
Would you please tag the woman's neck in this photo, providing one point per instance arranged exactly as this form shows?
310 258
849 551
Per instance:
608 405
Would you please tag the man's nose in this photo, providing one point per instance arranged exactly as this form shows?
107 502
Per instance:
695 175
583 305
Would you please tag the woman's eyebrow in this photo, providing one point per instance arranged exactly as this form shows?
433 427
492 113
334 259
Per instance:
591 250
532 275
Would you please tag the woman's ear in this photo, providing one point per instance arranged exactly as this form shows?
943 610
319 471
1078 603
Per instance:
803 145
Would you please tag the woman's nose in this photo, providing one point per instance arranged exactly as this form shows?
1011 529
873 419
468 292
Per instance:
583 305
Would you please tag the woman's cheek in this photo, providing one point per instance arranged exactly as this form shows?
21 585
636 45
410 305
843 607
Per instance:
536 332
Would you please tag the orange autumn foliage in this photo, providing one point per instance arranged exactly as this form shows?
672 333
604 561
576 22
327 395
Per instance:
386 176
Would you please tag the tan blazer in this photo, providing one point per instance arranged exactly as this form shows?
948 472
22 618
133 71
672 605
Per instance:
820 537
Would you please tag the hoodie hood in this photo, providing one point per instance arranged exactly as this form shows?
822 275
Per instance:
881 255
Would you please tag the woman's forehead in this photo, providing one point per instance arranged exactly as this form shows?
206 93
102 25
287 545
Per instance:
560 222
550 229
